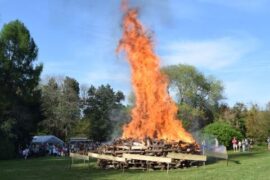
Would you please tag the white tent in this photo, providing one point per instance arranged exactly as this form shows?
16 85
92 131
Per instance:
47 139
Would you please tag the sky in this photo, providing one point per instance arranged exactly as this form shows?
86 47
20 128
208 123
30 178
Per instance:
227 39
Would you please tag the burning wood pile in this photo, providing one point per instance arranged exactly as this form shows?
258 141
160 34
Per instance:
150 153
153 147
154 112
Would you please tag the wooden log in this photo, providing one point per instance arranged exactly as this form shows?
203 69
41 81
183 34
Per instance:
123 147
141 147
122 151
106 157
147 158
187 156
79 156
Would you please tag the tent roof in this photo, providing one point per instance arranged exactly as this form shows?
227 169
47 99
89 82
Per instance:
47 139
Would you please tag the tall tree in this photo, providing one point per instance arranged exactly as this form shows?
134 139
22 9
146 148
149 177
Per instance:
50 102
100 104
195 93
235 116
70 104
192 87
19 78
60 103
258 124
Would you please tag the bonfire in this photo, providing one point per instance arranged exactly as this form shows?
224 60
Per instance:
154 137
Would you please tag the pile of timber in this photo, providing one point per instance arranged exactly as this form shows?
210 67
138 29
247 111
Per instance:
149 153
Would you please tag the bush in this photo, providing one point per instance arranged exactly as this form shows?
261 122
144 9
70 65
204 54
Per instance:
223 132
7 149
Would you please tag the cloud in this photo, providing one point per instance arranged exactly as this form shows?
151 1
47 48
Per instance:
210 54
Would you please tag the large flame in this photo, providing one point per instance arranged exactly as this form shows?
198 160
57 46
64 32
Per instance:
154 114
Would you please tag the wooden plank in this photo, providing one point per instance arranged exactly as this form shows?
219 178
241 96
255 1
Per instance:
107 157
123 147
182 156
147 158
138 147
78 156
216 154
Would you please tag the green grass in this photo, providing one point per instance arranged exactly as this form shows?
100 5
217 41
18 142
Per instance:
253 165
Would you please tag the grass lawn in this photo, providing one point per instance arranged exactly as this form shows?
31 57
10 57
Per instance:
253 165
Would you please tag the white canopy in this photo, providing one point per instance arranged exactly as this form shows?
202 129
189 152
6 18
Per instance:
47 139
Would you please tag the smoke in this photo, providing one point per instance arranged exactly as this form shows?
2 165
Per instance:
154 10
210 145
119 117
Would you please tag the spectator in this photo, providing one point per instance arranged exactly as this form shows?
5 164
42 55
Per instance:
243 145
268 142
247 144
51 149
239 145
25 153
234 143
216 143
203 147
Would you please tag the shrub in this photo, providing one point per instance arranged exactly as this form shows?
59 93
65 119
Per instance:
223 132
7 149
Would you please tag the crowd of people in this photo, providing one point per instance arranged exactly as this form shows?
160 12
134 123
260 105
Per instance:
243 145
83 146
36 150
49 149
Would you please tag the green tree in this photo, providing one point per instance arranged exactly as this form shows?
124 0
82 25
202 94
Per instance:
100 104
61 106
223 132
69 104
235 116
258 124
81 129
50 102
19 78
195 93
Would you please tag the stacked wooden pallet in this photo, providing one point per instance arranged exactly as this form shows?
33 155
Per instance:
154 154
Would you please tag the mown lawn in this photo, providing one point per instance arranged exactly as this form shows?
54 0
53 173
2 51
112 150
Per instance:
253 165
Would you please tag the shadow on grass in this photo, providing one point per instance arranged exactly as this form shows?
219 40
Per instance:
242 154
234 157
234 161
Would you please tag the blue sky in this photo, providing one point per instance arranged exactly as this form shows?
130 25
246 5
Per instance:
225 38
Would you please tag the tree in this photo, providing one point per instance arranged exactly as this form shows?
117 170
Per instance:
258 124
235 116
70 104
60 104
19 78
81 129
100 104
195 92
50 103
223 132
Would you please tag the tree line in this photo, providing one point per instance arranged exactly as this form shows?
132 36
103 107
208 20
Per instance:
63 107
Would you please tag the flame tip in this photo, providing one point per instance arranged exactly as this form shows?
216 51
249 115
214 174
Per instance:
154 113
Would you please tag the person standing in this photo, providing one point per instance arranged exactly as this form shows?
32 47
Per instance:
243 145
216 143
247 144
239 145
203 146
268 142
234 143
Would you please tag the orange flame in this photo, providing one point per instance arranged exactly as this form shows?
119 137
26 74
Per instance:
154 114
